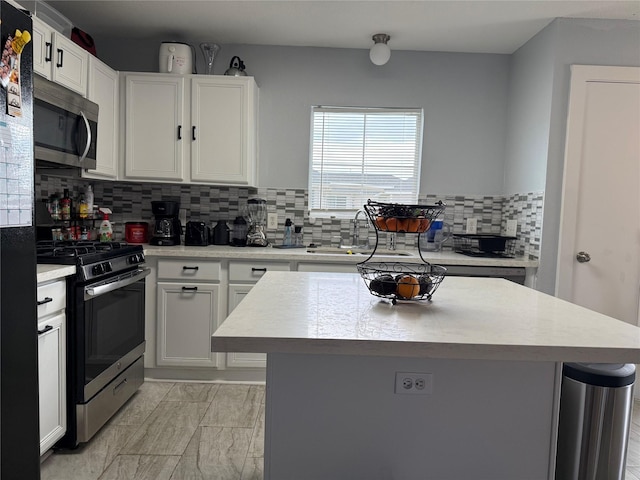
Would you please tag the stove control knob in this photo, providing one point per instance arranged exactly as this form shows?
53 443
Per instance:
107 267
133 259
98 269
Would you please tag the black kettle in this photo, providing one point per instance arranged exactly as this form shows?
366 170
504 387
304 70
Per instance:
221 233
236 68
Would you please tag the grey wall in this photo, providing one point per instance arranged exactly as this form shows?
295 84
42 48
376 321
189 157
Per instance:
529 112
563 43
463 96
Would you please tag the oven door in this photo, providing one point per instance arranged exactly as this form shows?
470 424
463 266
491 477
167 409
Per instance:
113 328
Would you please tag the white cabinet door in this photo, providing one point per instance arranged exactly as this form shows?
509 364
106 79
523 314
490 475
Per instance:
243 359
70 64
51 380
103 90
154 127
223 119
42 48
187 317
57 58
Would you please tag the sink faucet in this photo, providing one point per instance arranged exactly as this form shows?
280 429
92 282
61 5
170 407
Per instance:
356 229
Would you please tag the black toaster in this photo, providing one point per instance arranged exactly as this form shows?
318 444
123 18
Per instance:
196 234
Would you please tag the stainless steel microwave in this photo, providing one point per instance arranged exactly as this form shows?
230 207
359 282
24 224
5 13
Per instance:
65 127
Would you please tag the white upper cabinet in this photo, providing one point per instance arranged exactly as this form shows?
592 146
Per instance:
155 129
57 58
103 89
191 128
223 123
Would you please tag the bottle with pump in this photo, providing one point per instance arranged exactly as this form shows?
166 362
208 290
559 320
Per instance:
288 233
106 231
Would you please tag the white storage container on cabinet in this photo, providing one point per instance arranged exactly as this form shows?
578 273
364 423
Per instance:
188 306
242 277
57 58
52 373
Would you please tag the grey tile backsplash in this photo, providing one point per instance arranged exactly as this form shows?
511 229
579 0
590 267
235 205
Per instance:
132 202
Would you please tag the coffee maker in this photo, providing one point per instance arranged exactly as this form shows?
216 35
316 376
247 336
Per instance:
167 227
257 215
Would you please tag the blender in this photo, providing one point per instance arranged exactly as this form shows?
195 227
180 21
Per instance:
257 215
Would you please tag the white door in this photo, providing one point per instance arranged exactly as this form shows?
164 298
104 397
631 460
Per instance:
601 193
154 127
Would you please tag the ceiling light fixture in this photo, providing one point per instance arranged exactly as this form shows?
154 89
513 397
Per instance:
380 52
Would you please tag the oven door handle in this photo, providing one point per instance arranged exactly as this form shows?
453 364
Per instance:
93 292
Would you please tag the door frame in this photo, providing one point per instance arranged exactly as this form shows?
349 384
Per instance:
581 76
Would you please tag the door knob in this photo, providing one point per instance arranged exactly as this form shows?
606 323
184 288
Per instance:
583 257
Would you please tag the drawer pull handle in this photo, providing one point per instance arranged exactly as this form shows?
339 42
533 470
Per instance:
60 56
193 133
46 300
45 329
119 386
258 269
179 132
190 268
190 289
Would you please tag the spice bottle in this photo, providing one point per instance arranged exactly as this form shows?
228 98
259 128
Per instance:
65 206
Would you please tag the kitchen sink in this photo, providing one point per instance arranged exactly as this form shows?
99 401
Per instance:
357 251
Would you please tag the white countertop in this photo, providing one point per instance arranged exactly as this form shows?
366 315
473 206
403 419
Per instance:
46 273
469 318
301 255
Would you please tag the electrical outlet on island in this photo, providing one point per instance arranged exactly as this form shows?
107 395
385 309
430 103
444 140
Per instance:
272 221
472 226
512 228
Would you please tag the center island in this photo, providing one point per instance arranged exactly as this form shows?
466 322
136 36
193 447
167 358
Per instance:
482 362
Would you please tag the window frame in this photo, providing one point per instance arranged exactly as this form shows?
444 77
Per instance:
349 213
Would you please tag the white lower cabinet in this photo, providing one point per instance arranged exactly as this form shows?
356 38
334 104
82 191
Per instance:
52 363
242 278
188 311
187 317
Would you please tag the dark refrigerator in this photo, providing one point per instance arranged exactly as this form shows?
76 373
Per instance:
19 438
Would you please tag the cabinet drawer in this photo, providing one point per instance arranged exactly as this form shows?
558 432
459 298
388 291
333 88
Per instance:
51 298
191 270
252 271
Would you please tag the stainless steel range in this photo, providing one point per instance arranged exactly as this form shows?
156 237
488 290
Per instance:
105 332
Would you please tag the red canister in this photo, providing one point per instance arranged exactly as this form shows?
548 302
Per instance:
136 232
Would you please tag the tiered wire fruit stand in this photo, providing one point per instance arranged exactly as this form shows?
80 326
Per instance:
401 280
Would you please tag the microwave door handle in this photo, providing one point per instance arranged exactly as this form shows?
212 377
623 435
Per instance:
86 147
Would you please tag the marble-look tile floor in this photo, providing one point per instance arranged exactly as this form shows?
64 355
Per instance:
174 431
196 431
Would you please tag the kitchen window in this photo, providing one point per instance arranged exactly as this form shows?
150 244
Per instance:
363 153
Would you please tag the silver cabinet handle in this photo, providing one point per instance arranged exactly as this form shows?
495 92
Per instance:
86 147
583 257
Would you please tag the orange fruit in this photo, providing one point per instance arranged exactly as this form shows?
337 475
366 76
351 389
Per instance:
403 225
392 224
413 225
381 223
424 225
408 286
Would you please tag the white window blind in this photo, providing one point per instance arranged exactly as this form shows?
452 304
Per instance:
364 153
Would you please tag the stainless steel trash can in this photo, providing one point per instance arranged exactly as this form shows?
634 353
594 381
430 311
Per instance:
595 414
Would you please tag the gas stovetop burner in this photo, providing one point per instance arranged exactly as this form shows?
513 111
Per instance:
93 259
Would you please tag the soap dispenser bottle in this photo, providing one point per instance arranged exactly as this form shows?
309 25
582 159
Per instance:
288 233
